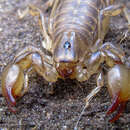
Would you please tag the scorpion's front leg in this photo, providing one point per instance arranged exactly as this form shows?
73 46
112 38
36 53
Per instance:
15 75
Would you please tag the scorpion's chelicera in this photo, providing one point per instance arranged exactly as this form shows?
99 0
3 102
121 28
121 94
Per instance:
74 40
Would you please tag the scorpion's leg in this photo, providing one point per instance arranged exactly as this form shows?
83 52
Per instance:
15 75
34 11
106 53
106 13
115 52
119 88
104 18
100 84
53 11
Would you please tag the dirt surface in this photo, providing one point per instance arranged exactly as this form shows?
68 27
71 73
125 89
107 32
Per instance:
59 111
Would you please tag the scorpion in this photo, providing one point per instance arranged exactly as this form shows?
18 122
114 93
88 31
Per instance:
74 48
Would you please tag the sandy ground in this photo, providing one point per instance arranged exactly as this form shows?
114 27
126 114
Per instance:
59 111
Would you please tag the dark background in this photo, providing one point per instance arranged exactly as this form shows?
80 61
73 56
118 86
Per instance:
60 111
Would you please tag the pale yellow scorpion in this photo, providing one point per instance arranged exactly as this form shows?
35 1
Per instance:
74 42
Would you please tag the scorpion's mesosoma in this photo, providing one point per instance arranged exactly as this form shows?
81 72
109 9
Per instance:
74 41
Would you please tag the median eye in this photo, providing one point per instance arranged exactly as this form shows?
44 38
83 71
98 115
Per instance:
67 45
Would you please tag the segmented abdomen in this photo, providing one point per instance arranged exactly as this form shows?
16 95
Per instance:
80 16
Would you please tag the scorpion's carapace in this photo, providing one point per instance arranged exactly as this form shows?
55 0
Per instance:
74 50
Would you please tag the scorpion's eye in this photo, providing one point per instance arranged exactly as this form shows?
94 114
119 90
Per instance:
67 45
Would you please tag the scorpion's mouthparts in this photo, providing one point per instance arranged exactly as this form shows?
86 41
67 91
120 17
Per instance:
65 70
65 73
